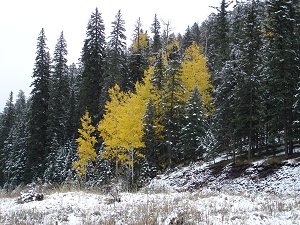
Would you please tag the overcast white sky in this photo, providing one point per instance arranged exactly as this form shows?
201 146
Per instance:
22 20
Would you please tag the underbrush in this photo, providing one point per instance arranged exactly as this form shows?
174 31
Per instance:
203 208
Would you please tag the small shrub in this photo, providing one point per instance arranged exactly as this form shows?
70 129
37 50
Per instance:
274 161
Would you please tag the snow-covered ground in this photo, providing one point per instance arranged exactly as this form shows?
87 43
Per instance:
189 195
284 180
164 208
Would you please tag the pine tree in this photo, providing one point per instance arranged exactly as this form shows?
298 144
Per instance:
283 56
187 39
59 161
194 128
54 147
38 113
93 55
172 104
15 147
156 44
8 119
250 87
150 136
218 49
196 33
225 110
73 114
157 79
116 60
59 93
7 122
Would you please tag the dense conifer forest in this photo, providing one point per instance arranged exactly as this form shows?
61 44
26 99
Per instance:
230 85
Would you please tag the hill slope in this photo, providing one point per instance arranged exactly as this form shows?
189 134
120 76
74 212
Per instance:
271 175
257 193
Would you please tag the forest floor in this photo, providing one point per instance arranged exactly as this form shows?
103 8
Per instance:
261 192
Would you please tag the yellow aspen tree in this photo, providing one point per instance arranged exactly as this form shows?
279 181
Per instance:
109 129
195 74
132 129
86 142
122 128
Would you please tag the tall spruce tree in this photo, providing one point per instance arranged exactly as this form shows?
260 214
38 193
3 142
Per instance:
223 125
250 85
116 60
7 122
73 121
93 55
187 39
172 104
59 93
283 57
38 114
149 137
196 33
17 144
8 118
150 165
219 50
194 128
156 40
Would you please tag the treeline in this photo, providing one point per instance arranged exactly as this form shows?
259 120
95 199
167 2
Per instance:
229 85
253 54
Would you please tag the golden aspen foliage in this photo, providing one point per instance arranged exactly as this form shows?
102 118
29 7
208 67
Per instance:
195 74
122 127
170 45
86 142
141 42
108 126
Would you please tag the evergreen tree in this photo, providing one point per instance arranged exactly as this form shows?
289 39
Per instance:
16 145
283 57
250 87
150 137
156 42
7 122
59 93
196 33
218 48
93 55
187 39
38 114
225 109
158 74
59 161
50 172
73 114
116 60
172 104
194 128
8 118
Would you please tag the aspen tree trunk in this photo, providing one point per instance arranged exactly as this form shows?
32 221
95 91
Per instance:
132 167
117 168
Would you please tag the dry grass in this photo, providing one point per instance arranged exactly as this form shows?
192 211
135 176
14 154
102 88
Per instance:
203 208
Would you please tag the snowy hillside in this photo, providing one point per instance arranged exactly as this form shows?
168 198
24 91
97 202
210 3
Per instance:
197 194
278 178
